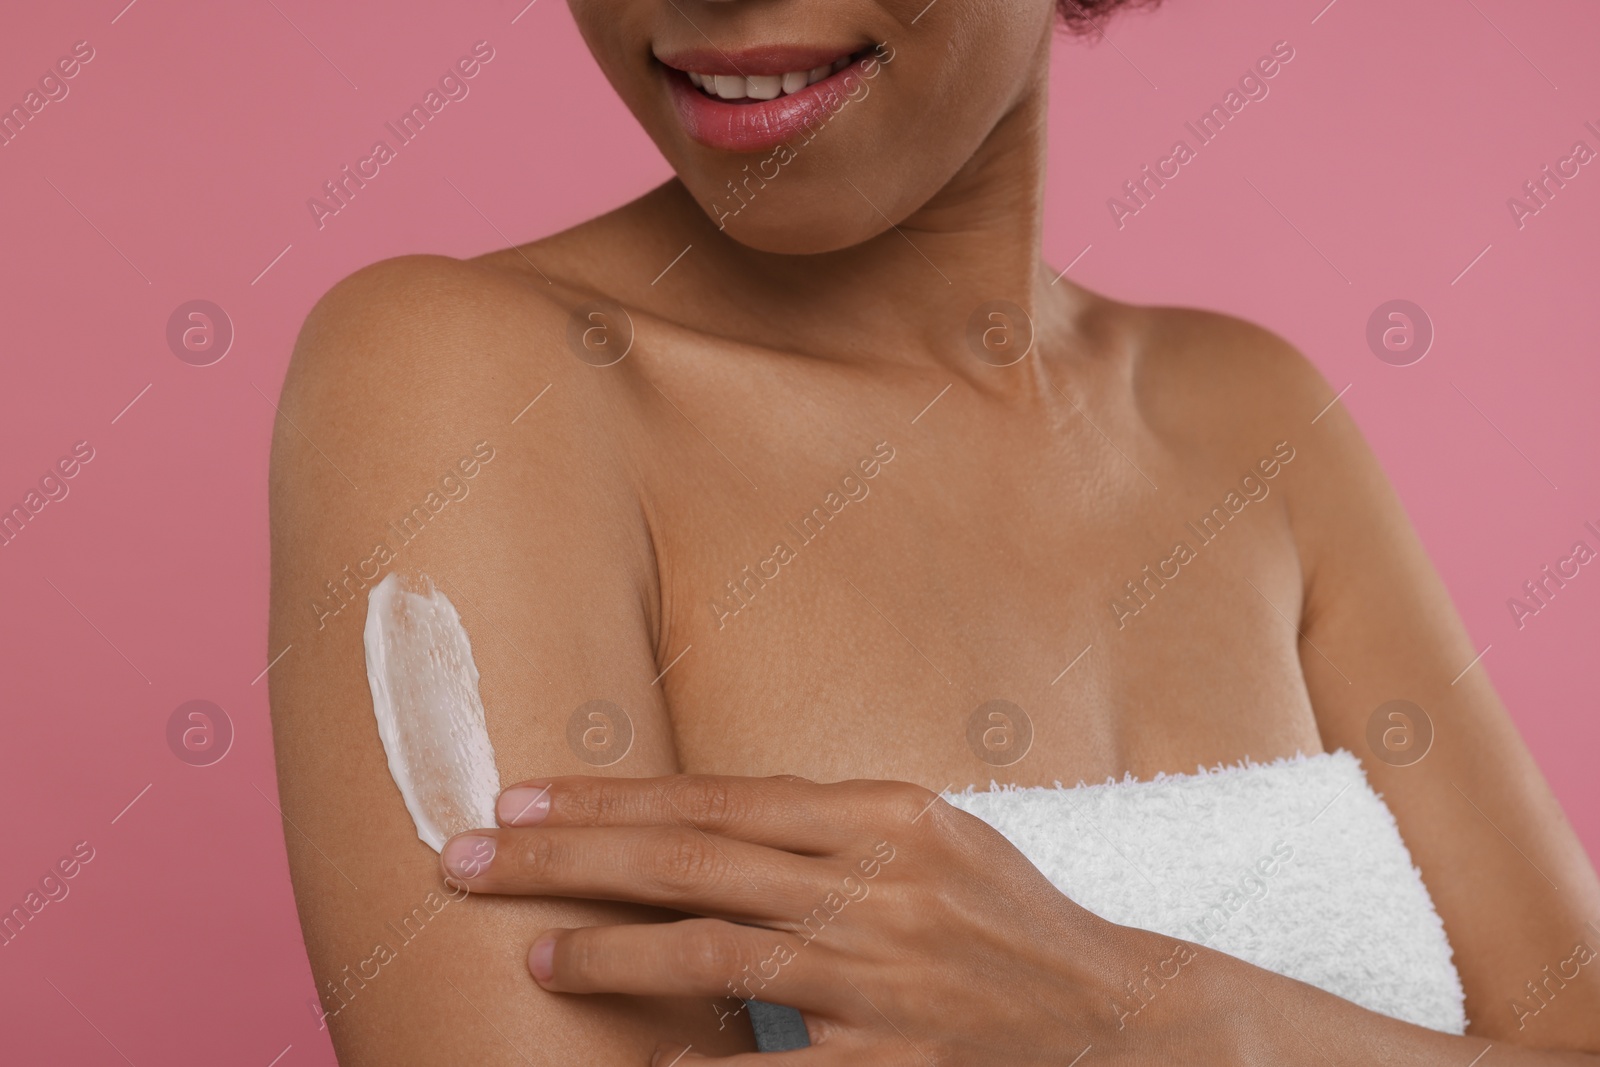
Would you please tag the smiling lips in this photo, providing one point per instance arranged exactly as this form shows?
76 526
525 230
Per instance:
758 99
763 86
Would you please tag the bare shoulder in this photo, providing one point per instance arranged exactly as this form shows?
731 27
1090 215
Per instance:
407 369
1219 382
456 328
408 356
1221 374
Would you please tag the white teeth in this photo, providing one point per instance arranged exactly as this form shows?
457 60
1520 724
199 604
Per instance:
763 86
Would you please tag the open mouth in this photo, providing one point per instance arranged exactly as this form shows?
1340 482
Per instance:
758 98
759 87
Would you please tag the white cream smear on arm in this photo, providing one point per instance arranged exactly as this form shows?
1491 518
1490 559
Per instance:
430 717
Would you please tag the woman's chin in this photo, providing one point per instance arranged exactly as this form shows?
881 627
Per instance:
791 230
786 239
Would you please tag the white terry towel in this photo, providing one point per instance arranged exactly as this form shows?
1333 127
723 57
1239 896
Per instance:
1296 866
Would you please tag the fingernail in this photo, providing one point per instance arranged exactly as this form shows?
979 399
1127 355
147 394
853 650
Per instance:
524 806
541 959
468 856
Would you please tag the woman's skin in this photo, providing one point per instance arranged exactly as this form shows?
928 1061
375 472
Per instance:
1007 509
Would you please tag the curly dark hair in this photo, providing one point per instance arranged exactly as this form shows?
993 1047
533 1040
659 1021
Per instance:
1085 17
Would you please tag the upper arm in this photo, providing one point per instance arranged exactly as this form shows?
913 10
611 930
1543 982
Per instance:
406 377
1505 870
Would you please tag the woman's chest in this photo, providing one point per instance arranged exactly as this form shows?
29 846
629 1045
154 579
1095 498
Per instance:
908 604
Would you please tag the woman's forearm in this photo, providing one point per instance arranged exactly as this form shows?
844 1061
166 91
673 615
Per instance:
1275 1019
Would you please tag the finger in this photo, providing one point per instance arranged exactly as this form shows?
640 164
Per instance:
800 816
691 957
783 812
671 866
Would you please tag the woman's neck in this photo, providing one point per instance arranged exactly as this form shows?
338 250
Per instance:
907 295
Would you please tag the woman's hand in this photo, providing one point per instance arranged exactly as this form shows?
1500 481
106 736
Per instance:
905 931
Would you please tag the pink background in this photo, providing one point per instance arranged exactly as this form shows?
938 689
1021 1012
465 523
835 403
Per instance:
1378 168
